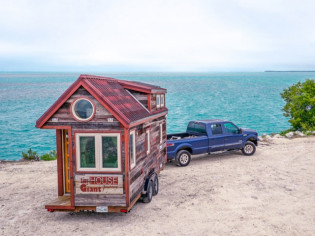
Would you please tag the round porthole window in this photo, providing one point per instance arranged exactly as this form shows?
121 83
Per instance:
83 109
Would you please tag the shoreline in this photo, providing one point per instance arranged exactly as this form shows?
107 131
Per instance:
264 137
269 193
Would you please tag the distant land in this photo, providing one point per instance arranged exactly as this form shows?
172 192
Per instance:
289 71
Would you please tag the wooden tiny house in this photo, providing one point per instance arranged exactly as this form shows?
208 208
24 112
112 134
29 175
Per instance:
111 143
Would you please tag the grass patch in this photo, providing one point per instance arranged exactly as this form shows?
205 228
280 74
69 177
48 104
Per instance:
30 155
52 155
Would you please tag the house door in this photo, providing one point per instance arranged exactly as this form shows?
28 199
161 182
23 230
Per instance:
66 162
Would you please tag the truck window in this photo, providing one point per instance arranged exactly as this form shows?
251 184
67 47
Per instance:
196 128
230 128
216 129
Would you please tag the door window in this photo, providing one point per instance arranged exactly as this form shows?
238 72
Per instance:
230 128
216 129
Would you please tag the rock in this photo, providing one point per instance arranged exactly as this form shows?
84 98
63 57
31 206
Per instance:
299 133
277 136
289 135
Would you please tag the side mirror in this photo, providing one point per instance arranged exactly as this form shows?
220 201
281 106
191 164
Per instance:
240 131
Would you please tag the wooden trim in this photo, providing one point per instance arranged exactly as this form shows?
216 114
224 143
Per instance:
54 108
158 97
147 119
54 207
134 142
143 90
162 105
72 112
55 127
96 172
149 101
59 162
71 167
127 167
147 143
98 132
91 208
161 132
166 139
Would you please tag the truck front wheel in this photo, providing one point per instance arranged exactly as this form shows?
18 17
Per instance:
183 158
249 148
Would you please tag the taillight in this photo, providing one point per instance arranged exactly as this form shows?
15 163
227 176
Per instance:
169 144
123 210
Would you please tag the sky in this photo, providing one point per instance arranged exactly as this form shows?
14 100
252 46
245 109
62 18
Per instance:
157 35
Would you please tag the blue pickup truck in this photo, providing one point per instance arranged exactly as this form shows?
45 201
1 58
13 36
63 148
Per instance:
206 136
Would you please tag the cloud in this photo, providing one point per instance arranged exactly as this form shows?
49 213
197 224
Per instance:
168 35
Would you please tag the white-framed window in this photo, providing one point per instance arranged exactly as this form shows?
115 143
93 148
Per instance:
83 109
161 133
158 101
162 100
98 152
147 140
132 149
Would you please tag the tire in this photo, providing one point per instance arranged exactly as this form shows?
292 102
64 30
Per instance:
249 148
155 185
183 158
148 195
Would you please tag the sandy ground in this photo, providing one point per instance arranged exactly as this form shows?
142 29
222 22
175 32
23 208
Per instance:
270 193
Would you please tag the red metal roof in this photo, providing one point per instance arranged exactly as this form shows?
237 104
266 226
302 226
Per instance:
112 94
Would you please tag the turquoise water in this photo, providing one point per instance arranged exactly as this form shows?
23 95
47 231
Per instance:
250 100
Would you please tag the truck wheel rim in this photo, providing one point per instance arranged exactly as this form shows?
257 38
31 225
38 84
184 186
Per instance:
184 158
248 149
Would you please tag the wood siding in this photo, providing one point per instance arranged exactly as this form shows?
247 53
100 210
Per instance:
64 115
145 163
153 102
100 200
141 97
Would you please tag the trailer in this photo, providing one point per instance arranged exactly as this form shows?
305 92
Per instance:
110 143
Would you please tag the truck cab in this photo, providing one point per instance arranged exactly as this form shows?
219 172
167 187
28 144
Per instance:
206 136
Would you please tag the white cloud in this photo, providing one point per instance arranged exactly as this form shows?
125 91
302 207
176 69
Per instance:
175 35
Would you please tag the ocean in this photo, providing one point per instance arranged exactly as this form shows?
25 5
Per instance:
250 100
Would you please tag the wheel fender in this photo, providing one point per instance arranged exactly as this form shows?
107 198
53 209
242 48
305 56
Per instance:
247 139
184 146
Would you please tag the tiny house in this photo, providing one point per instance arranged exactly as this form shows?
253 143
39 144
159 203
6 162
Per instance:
110 142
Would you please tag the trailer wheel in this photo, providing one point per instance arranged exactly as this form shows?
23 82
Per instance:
148 195
155 185
183 158
249 148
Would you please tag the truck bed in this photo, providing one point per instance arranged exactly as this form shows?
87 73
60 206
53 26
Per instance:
178 136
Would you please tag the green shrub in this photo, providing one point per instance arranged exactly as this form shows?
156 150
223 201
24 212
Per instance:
308 133
300 105
52 155
30 155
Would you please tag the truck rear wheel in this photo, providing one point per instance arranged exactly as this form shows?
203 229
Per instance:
183 158
249 148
